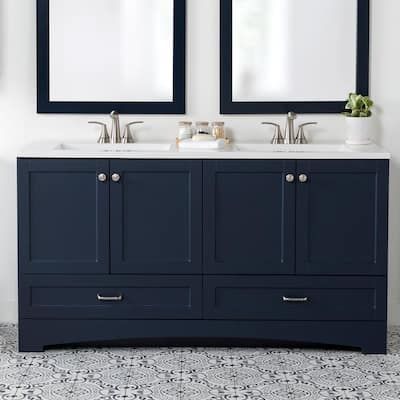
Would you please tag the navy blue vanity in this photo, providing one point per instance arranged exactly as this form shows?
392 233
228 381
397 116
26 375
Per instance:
234 247
205 251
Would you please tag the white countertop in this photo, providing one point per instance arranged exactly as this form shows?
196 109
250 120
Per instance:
245 151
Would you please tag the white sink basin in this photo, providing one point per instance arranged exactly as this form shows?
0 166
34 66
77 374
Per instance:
292 148
114 148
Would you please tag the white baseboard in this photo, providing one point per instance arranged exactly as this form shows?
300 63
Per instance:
8 311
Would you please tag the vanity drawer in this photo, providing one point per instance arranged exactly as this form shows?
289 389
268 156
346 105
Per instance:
294 298
108 297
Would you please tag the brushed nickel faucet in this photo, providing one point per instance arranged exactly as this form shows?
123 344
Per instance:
289 136
115 136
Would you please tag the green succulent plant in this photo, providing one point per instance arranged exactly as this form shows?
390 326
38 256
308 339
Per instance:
358 106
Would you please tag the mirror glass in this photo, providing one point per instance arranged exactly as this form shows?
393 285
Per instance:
111 50
293 50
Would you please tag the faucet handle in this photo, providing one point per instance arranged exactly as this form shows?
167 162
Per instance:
134 123
104 136
127 136
277 138
307 123
301 137
270 123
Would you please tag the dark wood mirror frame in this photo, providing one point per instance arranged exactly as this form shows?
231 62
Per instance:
45 105
228 106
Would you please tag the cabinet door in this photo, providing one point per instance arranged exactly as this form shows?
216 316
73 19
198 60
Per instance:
342 217
156 217
249 211
63 216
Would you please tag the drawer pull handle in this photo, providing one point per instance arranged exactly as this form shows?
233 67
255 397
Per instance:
112 298
295 299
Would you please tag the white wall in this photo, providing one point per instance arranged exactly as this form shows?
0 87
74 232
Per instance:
19 123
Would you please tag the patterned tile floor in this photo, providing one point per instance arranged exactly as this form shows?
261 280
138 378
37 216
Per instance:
196 373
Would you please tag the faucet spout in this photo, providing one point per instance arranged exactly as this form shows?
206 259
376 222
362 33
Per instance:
116 128
289 131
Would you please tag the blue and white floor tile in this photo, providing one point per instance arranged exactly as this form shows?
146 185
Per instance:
197 373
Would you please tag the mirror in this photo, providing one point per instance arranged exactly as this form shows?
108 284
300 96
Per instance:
292 55
99 55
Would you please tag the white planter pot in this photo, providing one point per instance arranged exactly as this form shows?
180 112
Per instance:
359 130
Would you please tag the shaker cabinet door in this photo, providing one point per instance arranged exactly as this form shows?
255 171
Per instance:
156 217
342 217
249 217
63 216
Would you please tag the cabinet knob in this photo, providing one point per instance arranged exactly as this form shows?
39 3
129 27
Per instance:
290 178
115 177
303 178
102 177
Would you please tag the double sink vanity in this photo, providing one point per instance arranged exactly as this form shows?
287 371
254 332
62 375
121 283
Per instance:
148 243
153 244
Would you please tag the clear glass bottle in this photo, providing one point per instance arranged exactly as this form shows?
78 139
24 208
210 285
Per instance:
185 130
218 130
202 128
